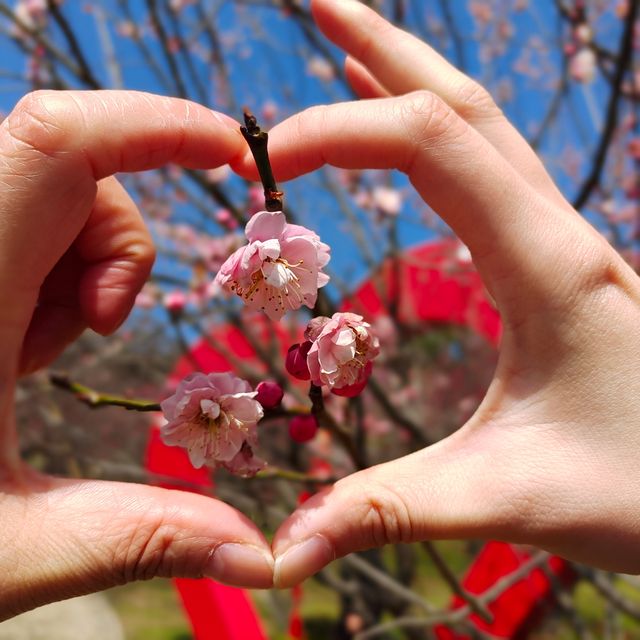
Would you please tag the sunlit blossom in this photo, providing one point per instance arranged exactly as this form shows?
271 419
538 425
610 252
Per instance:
213 416
343 347
280 269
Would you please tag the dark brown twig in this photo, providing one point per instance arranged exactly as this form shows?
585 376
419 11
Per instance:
257 141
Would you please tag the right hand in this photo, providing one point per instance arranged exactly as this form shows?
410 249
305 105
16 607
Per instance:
550 458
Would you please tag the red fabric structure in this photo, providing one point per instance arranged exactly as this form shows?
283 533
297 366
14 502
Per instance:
519 607
214 610
426 284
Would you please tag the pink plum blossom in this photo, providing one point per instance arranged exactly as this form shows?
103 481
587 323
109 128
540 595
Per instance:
582 66
218 174
214 417
320 68
355 389
175 301
387 200
280 268
343 346
226 219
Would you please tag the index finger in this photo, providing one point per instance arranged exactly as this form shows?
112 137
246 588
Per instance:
517 237
56 145
110 131
402 63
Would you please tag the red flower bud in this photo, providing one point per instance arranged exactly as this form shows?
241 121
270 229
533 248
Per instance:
269 394
303 428
296 362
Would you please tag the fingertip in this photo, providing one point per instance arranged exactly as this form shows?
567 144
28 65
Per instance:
244 565
364 85
302 560
108 289
334 16
245 166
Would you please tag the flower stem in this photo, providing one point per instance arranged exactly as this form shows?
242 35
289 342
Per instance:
294 476
257 141
326 420
96 399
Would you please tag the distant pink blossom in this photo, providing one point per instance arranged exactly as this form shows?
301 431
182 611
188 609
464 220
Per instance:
174 301
218 174
147 297
269 110
213 416
255 202
387 200
32 13
582 66
343 346
320 68
226 219
280 269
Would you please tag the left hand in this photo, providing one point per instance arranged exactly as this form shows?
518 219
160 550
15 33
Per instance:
73 254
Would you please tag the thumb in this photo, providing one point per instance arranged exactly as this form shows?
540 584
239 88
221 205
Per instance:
453 489
63 538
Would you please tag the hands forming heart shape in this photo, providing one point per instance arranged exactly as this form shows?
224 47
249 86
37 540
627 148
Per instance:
549 458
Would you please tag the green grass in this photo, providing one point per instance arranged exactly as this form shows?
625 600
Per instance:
150 611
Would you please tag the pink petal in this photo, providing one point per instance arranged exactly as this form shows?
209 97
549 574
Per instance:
265 225
268 249
243 407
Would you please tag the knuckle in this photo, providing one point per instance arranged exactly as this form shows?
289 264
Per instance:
145 254
145 551
39 120
429 122
472 102
309 125
386 517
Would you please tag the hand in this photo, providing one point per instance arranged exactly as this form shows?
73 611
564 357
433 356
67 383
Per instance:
550 457
73 254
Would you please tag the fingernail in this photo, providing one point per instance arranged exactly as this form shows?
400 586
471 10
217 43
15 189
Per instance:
301 561
240 565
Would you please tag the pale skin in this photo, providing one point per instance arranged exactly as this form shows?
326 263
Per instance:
550 457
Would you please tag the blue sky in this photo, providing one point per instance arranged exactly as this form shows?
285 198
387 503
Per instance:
267 58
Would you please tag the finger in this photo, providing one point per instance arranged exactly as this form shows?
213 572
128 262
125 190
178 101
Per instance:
361 81
119 253
402 63
517 238
95 283
57 320
442 492
55 145
77 537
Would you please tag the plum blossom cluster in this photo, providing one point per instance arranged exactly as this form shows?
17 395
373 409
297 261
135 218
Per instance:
337 353
280 269
214 417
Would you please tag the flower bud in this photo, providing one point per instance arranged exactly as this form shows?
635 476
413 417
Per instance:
296 361
303 428
174 302
269 394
